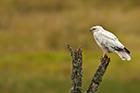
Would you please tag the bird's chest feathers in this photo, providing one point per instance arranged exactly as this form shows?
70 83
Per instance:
98 38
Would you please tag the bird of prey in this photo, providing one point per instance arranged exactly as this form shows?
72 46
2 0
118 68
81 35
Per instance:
109 42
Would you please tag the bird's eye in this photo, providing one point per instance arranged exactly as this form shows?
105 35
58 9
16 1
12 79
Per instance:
94 29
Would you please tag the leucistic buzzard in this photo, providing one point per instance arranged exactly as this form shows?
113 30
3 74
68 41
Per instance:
109 42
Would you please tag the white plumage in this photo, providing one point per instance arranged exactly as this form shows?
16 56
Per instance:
109 42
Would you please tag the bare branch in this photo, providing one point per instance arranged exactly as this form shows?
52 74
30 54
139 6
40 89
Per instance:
76 69
93 87
77 72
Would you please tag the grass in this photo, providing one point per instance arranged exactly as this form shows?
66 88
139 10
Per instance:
33 36
32 73
37 30
50 72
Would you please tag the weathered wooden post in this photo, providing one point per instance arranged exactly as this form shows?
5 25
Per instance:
76 76
97 78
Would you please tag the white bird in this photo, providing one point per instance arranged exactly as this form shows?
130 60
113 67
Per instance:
109 42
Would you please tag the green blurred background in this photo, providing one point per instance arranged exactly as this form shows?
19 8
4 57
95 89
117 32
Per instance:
34 34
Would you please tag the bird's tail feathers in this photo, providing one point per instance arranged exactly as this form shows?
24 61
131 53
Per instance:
124 55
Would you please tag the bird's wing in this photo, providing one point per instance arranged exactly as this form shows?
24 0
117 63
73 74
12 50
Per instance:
108 39
108 35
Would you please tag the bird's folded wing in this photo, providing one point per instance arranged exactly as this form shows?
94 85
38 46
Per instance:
108 39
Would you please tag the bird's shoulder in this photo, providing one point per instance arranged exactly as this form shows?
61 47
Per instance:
105 34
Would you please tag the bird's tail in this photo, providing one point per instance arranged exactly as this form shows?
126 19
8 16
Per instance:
124 55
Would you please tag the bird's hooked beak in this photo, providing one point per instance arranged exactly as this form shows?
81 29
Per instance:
90 30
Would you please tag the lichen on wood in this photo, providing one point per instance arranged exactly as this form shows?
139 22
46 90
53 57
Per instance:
97 78
76 75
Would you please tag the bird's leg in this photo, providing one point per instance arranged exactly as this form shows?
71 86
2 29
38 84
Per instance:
104 54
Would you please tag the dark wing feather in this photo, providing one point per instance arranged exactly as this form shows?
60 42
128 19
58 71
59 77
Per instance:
127 50
122 49
118 48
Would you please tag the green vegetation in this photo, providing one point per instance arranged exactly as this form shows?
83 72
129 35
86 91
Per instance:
34 33
50 72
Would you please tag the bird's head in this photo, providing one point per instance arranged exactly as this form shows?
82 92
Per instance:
96 28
